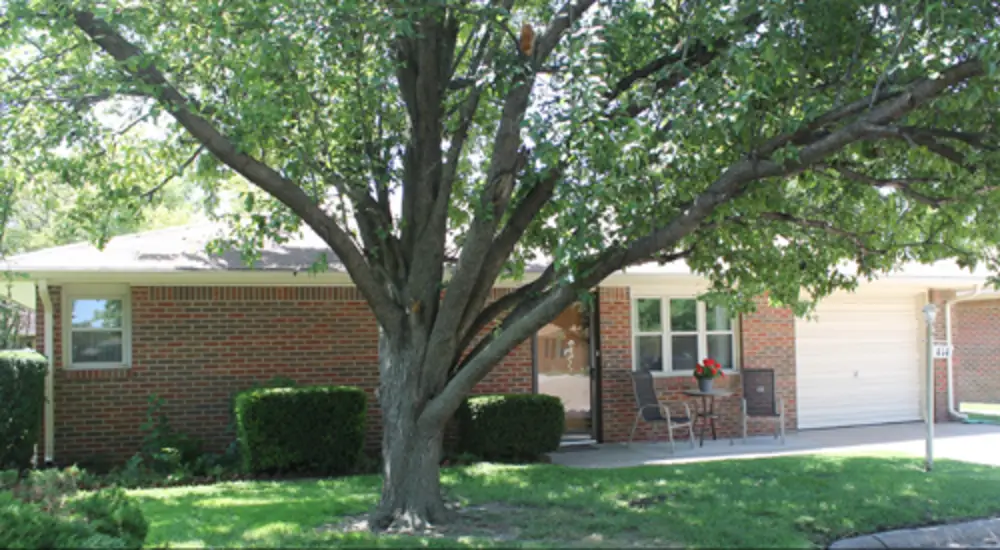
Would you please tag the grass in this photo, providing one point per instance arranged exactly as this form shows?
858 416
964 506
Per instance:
983 412
797 501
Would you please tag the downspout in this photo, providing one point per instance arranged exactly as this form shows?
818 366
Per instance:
50 421
975 292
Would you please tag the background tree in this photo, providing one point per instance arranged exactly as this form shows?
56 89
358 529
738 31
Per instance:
774 146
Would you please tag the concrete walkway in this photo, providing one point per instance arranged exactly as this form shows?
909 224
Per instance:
977 443
984 533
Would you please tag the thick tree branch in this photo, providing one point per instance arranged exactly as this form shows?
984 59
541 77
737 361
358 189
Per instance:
903 185
978 140
471 328
731 183
917 138
818 127
505 162
289 194
734 180
503 245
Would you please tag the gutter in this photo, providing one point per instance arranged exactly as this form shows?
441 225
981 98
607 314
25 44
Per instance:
50 421
976 292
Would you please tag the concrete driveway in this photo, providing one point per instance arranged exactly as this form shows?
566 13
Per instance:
967 442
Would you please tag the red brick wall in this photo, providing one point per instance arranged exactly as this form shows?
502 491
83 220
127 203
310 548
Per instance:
976 336
937 297
617 398
767 341
197 346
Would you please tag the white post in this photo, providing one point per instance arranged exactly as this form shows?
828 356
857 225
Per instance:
930 312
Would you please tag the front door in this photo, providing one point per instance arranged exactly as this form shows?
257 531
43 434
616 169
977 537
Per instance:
566 367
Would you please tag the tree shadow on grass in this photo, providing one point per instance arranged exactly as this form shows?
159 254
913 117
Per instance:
787 501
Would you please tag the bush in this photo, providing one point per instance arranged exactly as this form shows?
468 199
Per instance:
317 429
44 511
49 488
510 426
27 525
164 449
231 456
22 400
112 513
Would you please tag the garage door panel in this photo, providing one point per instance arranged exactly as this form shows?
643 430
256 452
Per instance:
846 330
857 363
863 357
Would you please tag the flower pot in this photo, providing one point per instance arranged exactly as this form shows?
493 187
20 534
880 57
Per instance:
705 384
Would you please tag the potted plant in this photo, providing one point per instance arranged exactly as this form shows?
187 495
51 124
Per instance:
705 372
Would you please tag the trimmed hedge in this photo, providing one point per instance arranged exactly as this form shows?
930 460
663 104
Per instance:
510 426
315 429
22 401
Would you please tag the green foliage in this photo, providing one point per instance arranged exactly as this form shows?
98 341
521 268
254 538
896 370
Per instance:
231 457
639 110
22 401
787 148
167 455
12 315
43 509
165 448
317 429
112 513
511 426
26 525
49 488
804 501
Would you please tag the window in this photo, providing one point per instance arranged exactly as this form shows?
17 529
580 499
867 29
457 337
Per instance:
673 334
97 327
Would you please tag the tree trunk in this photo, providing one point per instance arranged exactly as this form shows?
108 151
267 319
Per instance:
411 449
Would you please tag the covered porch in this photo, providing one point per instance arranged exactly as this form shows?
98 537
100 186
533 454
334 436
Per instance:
966 442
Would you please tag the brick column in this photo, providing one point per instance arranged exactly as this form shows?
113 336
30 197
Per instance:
768 342
617 400
938 297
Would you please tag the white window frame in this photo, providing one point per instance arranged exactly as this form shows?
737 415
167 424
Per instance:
701 319
98 292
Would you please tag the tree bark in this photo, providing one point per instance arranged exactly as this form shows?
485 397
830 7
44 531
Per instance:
411 446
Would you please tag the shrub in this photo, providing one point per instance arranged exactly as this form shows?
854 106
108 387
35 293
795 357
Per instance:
57 519
49 488
112 513
22 400
27 525
317 429
510 426
231 456
164 448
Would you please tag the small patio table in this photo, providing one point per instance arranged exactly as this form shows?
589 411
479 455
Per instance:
707 410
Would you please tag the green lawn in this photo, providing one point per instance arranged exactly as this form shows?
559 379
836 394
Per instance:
788 501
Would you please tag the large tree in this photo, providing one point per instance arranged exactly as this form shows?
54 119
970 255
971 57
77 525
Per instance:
439 146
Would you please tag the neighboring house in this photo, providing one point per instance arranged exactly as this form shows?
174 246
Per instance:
152 313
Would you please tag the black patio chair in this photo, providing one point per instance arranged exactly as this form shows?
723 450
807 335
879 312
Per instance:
760 400
651 409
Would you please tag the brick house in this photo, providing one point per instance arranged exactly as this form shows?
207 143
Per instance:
154 314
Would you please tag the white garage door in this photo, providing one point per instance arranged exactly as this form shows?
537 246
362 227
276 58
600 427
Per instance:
858 362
